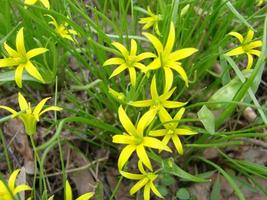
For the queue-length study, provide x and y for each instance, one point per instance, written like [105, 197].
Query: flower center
[138, 140]
[23, 59]
[170, 132]
[131, 60]
[151, 176]
[157, 104]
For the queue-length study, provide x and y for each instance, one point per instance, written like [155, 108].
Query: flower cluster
[138, 138]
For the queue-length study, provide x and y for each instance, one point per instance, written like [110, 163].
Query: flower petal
[121, 48]
[12, 180]
[166, 139]
[142, 155]
[145, 55]
[132, 73]
[51, 108]
[157, 133]
[155, 143]
[141, 167]
[20, 42]
[255, 52]
[139, 185]
[35, 52]
[168, 79]
[114, 61]
[250, 61]
[155, 190]
[178, 116]
[144, 103]
[68, 191]
[182, 53]
[126, 122]
[118, 70]
[165, 117]
[236, 51]
[145, 120]
[155, 42]
[86, 196]
[249, 36]
[173, 104]
[140, 66]
[166, 95]
[30, 2]
[170, 40]
[133, 50]
[18, 75]
[14, 113]
[123, 139]
[153, 88]
[178, 145]
[155, 64]
[254, 44]
[23, 104]
[39, 107]
[21, 188]
[131, 175]
[184, 131]
[237, 35]
[11, 52]
[8, 62]
[53, 22]
[32, 70]
[125, 155]
[178, 68]
[147, 192]
[45, 3]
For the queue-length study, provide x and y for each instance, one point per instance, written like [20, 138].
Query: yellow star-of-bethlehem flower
[171, 130]
[135, 140]
[68, 193]
[32, 2]
[152, 20]
[30, 116]
[12, 190]
[128, 60]
[62, 29]
[158, 103]
[247, 46]
[167, 59]
[145, 179]
[21, 59]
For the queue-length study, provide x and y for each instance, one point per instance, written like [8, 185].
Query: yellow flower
[12, 190]
[62, 29]
[21, 59]
[135, 140]
[171, 131]
[247, 46]
[128, 60]
[152, 20]
[117, 95]
[167, 59]
[145, 179]
[32, 2]
[260, 3]
[158, 103]
[68, 193]
[30, 116]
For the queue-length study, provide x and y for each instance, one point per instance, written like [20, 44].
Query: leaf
[207, 119]
[215, 193]
[182, 194]
[9, 76]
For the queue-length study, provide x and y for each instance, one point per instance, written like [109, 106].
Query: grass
[77, 81]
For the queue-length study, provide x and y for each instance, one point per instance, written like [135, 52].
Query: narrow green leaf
[216, 189]
[207, 119]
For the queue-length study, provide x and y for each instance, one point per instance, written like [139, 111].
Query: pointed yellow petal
[126, 122]
[86, 196]
[132, 73]
[179, 115]
[68, 191]
[144, 103]
[237, 35]
[170, 40]
[249, 36]
[139, 185]
[8, 62]
[168, 79]
[114, 61]
[141, 167]
[155, 64]
[21, 188]
[51, 198]
[20, 42]
[30, 2]
[14, 113]
[166, 139]
[39, 107]
[173, 104]
[153, 88]
[155, 42]
[184, 131]
[250, 61]
[23, 104]
[10, 51]
[178, 68]
[121, 48]
[236, 51]
[167, 95]
[254, 44]
[125, 155]
[155, 190]
[32, 70]
[35, 52]
[12, 180]
[145, 120]
[123, 139]
[157, 133]
[145, 55]
[53, 22]
[118, 70]
[155, 143]
[147, 192]
[142, 155]
[178, 145]
[165, 117]
[182, 53]
[140, 66]
[51, 108]
[255, 52]
[131, 176]
[133, 47]
[46, 3]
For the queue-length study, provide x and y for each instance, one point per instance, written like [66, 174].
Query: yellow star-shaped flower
[32, 2]
[22, 59]
[135, 140]
[167, 59]
[247, 46]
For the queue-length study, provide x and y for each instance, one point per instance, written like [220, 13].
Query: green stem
[5, 151]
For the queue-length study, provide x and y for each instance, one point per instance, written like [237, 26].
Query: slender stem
[5, 151]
